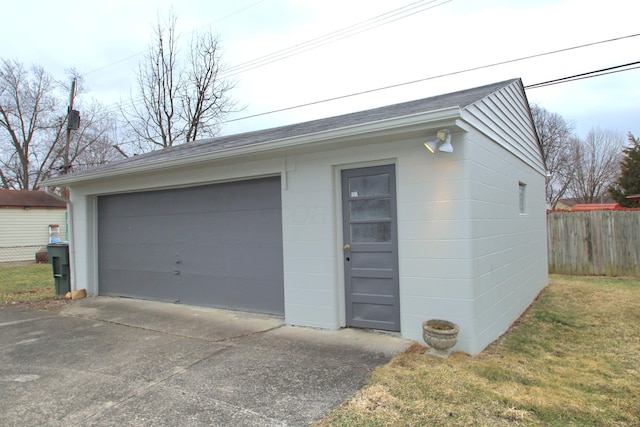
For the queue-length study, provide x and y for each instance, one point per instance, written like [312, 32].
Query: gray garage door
[216, 245]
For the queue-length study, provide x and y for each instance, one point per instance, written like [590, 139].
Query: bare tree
[178, 101]
[30, 127]
[555, 135]
[205, 97]
[152, 118]
[597, 164]
[33, 123]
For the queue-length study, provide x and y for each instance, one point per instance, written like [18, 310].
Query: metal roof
[460, 99]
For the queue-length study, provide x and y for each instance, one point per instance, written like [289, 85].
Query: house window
[522, 192]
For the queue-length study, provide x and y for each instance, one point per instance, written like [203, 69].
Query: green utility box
[59, 260]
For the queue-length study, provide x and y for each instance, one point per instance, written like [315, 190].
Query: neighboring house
[569, 203]
[28, 221]
[564, 205]
[583, 207]
[347, 221]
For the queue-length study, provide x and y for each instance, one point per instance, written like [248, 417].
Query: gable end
[504, 116]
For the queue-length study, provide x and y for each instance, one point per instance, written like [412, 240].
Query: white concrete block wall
[312, 232]
[509, 248]
[435, 255]
[309, 232]
[435, 267]
[82, 247]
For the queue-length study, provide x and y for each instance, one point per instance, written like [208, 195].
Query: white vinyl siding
[505, 118]
[28, 228]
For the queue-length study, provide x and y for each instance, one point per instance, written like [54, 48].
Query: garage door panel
[150, 257]
[217, 245]
[138, 284]
[141, 229]
[242, 225]
[238, 294]
[237, 197]
[228, 260]
[239, 226]
[248, 293]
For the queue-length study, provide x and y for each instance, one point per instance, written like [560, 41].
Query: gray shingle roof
[459, 99]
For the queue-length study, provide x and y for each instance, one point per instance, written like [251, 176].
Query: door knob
[347, 247]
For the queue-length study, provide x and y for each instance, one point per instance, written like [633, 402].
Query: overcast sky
[365, 48]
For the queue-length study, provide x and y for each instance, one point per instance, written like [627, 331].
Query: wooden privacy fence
[604, 243]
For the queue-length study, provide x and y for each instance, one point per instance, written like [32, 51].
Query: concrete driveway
[110, 361]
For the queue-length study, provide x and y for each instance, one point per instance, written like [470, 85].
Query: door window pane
[370, 209]
[371, 185]
[376, 232]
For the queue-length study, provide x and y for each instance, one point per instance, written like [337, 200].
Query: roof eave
[390, 126]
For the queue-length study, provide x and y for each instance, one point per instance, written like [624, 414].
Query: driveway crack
[176, 334]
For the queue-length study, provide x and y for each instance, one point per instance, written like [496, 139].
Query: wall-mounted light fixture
[443, 139]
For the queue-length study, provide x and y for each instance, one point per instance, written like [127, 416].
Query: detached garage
[378, 219]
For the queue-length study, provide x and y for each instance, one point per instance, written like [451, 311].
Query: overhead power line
[331, 37]
[467, 70]
[349, 31]
[587, 75]
[590, 74]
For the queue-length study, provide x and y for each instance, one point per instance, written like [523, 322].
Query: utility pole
[73, 123]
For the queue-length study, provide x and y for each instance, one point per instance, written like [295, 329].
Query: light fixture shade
[432, 145]
[447, 147]
[442, 139]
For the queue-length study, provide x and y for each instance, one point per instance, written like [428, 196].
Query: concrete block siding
[509, 247]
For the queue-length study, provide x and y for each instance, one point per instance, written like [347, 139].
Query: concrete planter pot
[440, 334]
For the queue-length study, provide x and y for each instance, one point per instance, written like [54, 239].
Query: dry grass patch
[572, 359]
[26, 284]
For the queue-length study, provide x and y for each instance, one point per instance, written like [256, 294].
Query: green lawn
[573, 359]
[26, 283]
